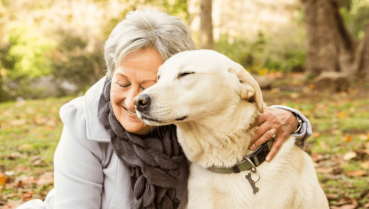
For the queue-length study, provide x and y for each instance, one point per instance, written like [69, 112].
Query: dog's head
[196, 84]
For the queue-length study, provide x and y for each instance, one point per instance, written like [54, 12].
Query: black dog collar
[257, 157]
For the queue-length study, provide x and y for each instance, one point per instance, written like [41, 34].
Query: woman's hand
[273, 123]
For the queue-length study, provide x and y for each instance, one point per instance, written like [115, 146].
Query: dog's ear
[248, 88]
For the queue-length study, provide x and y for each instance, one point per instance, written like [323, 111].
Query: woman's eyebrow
[142, 81]
[149, 80]
[120, 74]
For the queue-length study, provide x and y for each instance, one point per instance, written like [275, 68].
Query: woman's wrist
[299, 123]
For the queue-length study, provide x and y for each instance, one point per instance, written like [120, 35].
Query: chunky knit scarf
[154, 159]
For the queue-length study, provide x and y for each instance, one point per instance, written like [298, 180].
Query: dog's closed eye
[183, 74]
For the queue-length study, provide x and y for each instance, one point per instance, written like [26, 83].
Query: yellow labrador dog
[212, 101]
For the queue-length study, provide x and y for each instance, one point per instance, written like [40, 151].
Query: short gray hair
[146, 28]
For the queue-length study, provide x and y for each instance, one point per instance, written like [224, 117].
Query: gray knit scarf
[154, 159]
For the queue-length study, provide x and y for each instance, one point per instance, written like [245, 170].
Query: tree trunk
[206, 31]
[329, 45]
[364, 64]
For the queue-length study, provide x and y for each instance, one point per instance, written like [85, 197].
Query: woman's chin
[139, 128]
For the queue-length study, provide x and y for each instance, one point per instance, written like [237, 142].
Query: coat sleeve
[305, 132]
[78, 172]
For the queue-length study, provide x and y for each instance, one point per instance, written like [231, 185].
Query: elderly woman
[107, 157]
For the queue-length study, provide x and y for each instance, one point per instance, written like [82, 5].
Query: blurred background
[312, 55]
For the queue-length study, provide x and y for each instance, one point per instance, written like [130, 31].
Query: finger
[266, 137]
[258, 133]
[259, 120]
[275, 148]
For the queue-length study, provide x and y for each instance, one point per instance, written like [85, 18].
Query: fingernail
[253, 146]
[268, 158]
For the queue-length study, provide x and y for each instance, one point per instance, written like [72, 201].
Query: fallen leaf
[341, 114]
[324, 145]
[51, 123]
[335, 132]
[332, 196]
[352, 109]
[12, 156]
[316, 157]
[275, 90]
[39, 120]
[349, 155]
[294, 95]
[9, 173]
[24, 147]
[37, 161]
[344, 201]
[2, 178]
[316, 134]
[21, 168]
[18, 122]
[357, 173]
[23, 180]
[27, 195]
[311, 86]
[348, 138]
[363, 137]
[30, 110]
[365, 165]
[337, 171]
[324, 170]
[350, 206]
[363, 151]
[46, 179]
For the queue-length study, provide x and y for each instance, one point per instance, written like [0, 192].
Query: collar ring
[253, 169]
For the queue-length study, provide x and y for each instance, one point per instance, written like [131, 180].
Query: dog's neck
[221, 140]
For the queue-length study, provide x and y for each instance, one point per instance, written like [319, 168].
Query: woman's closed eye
[181, 75]
[127, 85]
[124, 85]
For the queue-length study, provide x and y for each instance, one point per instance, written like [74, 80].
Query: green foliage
[345, 3]
[26, 55]
[177, 8]
[232, 50]
[23, 58]
[73, 63]
[356, 17]
[264, 54]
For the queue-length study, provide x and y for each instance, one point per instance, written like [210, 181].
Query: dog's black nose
[142, 102]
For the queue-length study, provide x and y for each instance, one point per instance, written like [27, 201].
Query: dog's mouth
[147, 119]
[154, 121]
[144, 117]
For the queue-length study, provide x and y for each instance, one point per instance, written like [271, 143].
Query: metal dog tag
[252, 183]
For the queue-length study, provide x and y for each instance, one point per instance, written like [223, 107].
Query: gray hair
[146, 28]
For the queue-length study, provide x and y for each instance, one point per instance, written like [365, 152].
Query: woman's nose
[133, 92]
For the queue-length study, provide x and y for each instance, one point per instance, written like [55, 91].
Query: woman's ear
[248, 88]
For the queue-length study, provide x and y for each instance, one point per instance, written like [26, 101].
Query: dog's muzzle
[142, 103]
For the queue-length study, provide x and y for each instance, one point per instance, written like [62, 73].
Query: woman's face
[136, 72]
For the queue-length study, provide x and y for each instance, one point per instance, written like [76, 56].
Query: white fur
[216, 98]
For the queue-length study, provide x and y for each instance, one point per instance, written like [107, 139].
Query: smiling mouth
[129, 112]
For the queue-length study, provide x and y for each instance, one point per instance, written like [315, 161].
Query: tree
[206, 31]
[330, 47]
